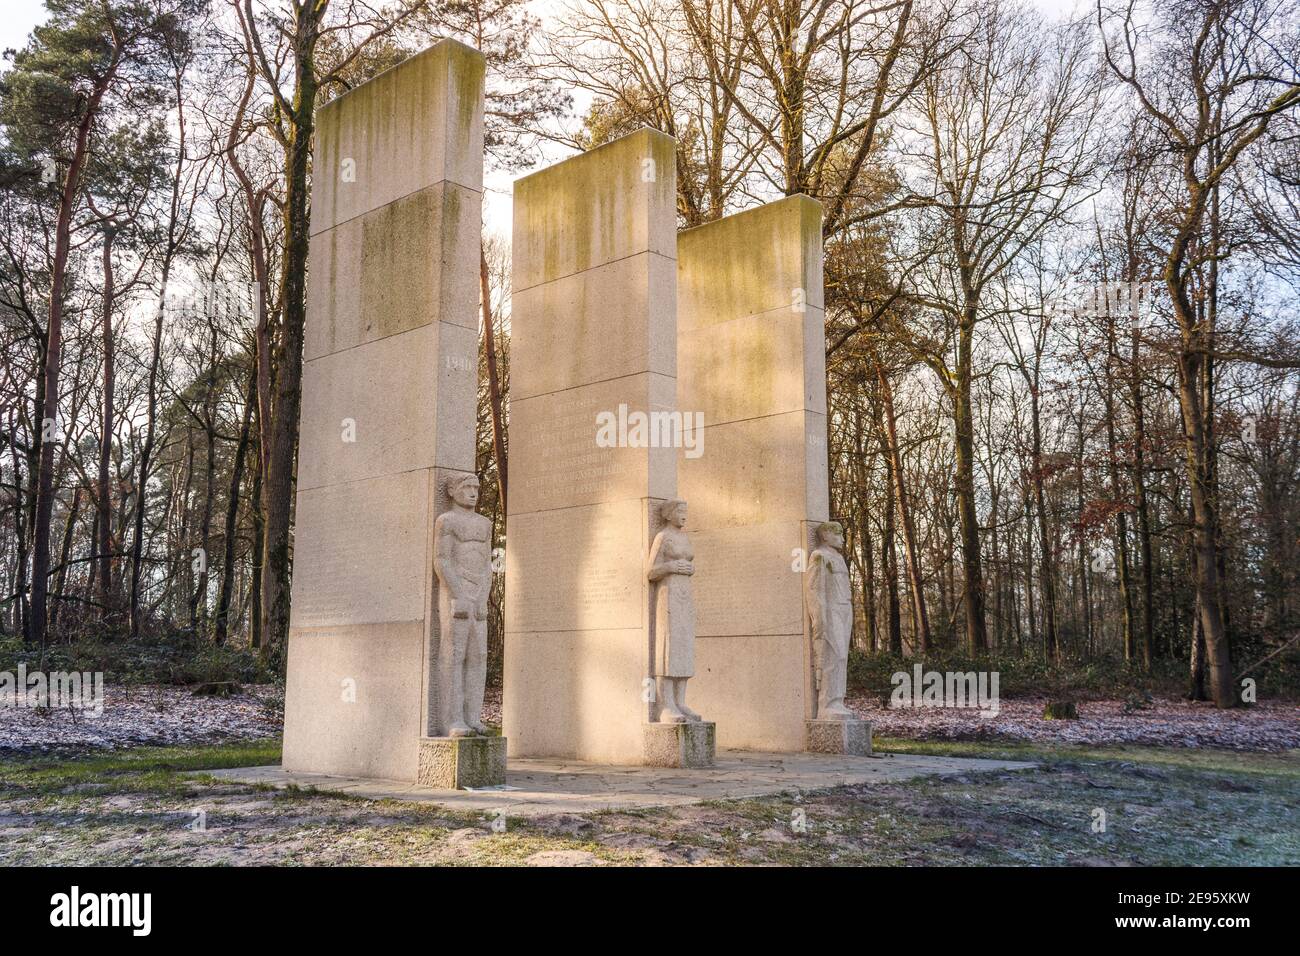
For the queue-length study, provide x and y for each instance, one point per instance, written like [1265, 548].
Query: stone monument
[593, 341]
[828, 597]
[388, 404]
[751, 358]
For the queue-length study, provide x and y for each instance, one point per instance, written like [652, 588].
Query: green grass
[138, 770]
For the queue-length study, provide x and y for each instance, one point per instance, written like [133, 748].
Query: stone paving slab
[537, 787]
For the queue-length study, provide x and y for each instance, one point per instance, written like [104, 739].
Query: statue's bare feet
[671, 715]
[836, 711]
[690, 714]
[479, 729]
[459, 730]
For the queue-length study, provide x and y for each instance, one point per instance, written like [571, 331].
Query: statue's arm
[443, 564]
[815, 585]
[657, 570]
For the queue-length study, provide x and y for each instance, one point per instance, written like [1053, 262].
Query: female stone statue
[670, 572]
[830, 612]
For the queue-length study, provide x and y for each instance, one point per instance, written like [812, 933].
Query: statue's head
[673, 512]
[463, 489]
[831, 534]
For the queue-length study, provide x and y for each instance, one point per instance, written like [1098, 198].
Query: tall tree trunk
[104, 502]
[1129, 639]
[920, 618]
[1085, 583]
[255, 586]
[1196, 655]
[53, 355]
[146, 456]
[1046, 550]
[281, 456]
[21, 604]
[494, 381]
[973, 573]
[889, 564]
[1031, 610]
[1146, 580]
[222, 623]
[65, 553]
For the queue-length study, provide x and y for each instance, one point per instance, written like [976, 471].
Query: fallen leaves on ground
[1268, 727]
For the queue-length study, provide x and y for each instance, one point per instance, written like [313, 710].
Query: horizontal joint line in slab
[599, 265]
[386, 474]
[747, 634]
[593, 504]
[393, 335]
[602, 381]
[574, 630]
[759, 418]
[440, 182]
[775, 310]
[302, 628]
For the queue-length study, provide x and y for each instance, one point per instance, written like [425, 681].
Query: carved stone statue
[462, 559]
[830, 610]
[670, 570]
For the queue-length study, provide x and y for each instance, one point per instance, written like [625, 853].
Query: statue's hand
[460, 609]
[683, 567]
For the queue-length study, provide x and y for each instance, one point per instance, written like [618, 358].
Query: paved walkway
[538, 787]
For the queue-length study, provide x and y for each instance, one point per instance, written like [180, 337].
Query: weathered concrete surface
[593, 327]
[691, 744]
[462, 763]
[751, 356]
[839, 737]
[536, 787]
[389, 397]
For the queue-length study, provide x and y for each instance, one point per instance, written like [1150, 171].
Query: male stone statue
[830, 610]
[462, 560]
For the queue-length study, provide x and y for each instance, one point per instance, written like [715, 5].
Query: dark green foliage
[178, 659]
[1105, 678]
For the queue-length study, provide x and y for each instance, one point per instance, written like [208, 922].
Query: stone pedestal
[457, 763]
[852, 737]
[680, 745]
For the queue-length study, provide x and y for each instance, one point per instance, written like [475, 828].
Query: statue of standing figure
[462, 559]
[830, 610]
[670, 569]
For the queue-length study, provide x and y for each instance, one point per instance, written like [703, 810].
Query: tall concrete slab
[389, 386]
[593, 328]
[751, 356]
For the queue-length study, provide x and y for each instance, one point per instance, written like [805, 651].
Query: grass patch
[140, 769]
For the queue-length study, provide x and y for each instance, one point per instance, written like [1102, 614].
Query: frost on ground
[173, 715]
[136, 715]
[1268, 727]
